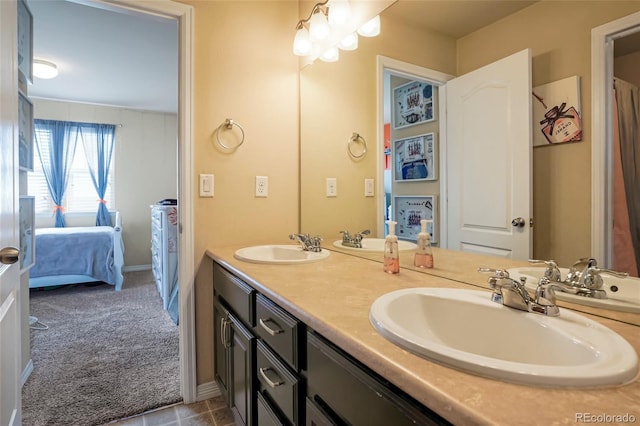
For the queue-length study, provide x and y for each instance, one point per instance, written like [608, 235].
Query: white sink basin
[466, 330]
[376, 245]
[279, 254]
[623, 294]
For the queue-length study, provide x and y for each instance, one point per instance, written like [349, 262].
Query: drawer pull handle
[272, 383]
[271, 331]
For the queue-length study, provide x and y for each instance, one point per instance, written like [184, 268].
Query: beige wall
[559, 34]
[337, 99]
[145, 168]
[243, 70]
[626, 67]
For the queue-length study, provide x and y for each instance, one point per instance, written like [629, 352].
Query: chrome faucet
[552, 272]
[354, 240]
[514, 294]
[584, 275]
[307, 242]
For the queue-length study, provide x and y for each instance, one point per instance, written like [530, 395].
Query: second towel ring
[228, 124]
[354, 139]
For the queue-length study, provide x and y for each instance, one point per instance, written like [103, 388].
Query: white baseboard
[27, 372]
[135, 268]
[207, 391]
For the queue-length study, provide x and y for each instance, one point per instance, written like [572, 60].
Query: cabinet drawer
[277, 382]
[316, 417]
[278, 329]
[236, 294]
[356, 396]
[266, 414]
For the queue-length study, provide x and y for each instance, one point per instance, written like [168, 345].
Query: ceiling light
[349, 42]
[44, 69]
[302, 42]
[370, 28]
[330, 55]
[339, 12]
[331, 25]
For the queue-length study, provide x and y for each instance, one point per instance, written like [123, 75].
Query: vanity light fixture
[331, 26]
[44, 69]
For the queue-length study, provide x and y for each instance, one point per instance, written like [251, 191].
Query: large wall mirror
[341, 98]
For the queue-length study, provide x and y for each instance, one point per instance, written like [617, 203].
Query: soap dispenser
[391, 257]
[424, 255]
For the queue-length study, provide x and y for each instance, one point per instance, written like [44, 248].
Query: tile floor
[212, 412]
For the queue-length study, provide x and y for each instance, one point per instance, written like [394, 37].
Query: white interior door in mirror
[489, 159]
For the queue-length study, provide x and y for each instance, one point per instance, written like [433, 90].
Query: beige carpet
[106, 355]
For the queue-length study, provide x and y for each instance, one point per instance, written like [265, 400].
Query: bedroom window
[80, 196]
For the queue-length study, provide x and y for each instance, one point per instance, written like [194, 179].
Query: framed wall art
[25, 133]
[25, 43]
[408, 211]
[557, 113]
[27, 218]
[412, 104]
[415, 158]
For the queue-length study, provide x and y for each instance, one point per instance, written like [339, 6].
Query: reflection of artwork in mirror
[415, 158]
[25, 43]
[408, 211]
[556, 108]
[25, 133]
[27, 232]
[412, 104]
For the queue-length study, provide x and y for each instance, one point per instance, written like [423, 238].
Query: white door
[489, 159]
[10, 329]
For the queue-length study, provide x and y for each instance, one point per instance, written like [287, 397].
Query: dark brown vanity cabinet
[273, 370]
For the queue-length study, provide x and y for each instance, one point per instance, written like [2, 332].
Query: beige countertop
[333, 297]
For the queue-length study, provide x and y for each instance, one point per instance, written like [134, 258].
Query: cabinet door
[221, 338]
[242, 358]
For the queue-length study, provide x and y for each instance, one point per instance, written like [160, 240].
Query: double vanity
[335, 339]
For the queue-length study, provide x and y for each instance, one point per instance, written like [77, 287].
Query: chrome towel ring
[228, 125]
[356, 138]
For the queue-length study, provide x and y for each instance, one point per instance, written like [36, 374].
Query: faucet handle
[610, 272]
[365, 232]
[499, 273]
[552, 272]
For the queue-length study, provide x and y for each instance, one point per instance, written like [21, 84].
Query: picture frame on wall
[409, 210]
[415, 158]
[412, 104]
[25, 43]
[25, 133]
[27, 217]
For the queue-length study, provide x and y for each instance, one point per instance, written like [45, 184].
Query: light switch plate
[369, 190]
[332, 187]
[206, 185]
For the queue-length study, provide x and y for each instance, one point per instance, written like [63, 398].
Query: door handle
[9, 255]
[518, 222]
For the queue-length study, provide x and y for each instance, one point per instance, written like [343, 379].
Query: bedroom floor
[212, 412]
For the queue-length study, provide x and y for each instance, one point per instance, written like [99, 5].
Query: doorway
[603, 39]
[183, 15]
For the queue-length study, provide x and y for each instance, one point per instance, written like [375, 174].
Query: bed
[74, 255]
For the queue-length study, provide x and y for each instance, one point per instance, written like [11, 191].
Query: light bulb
[349, 42]
[339, 12]
[44, 69]
[330, 55]
[302, 42]
[318, 26]
[370, 28]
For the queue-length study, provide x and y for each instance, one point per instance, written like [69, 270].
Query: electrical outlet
[262, 186]
[332, 187]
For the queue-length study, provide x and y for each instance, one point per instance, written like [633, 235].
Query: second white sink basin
[279, 254]
[623, 294]
[466, 330]
[376, 245]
